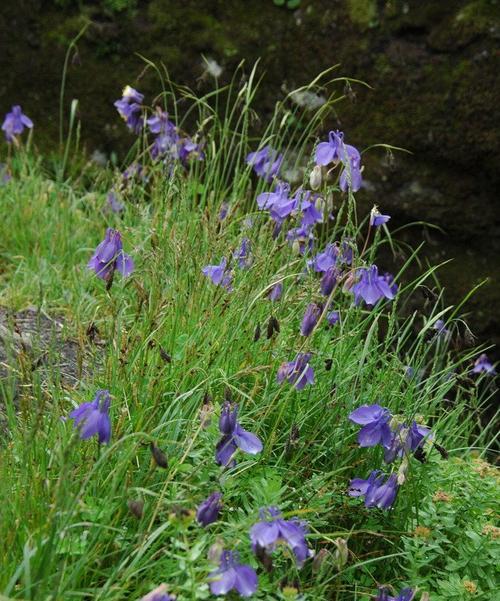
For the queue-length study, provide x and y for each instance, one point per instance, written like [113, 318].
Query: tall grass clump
[231, 283]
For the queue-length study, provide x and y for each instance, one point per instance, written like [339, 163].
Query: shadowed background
[433, 68]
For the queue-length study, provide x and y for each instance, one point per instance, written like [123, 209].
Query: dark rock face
[433, 67]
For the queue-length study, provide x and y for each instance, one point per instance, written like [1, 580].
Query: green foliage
[111, 6]
[455, 550]
[291, 4]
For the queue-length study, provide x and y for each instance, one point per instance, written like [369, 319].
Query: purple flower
[15, 122]
[297, 372]
[328, 281]
[483, 365]
[350, 177]
[265, 162]
[377, 219]
[134, 170]
[159, 594]
[218, 274]
[232, 575]
[129, 107]
[208, 511]
[377, 493]
[333, 318]
[93, 418]
[159, 123]
[440, 328]
[189, 149]
[371, 287]
[310, 319]
[406, 594]
[109, 256]
[331, 151]
[375, 421]
[5, 176]
[405, 440]
[278, 203]
[310, 213]
[389, 278]
[224, 208]
[269, 533]
[301, 237]
[276, 292]
[325, 260]
[114, 204]
[234, 437]
[242, 255]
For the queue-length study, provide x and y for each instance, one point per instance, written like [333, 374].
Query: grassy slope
[66, 530]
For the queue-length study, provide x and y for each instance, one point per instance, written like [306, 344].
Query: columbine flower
[297, 372]
[114, 204]
[109, 256]
[377, 493]
[265, 162]
[406, 440]
[375, 421]
[377, 219]
[328, 281]
[219, 275]
[188, 149]
[406, 594]
[301, 239]
[232, 575]
[371, 287]
[333, 318]
[159, 594]
[440, 328]
[15, 122]
[276, 292]
[483, 365]
[274, 530]
[208, 511]
[159, 123]
[310, 213]
[310, 319]
[325, 260]
[350, 177]
[278, 203]
[93, 418]
[234, 437]
[330, 152]
[242, 255]
[129, 107]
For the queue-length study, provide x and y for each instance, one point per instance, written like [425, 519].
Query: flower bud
[341, 553]
[316, 178]
[159, 456]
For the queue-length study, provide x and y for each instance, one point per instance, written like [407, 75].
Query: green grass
[66, 531]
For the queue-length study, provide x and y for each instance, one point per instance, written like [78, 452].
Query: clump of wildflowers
[234, 437]
[109, 257]
[297, 372]
[92, 419]
[273, 530]
[15, 122]
[233, 575]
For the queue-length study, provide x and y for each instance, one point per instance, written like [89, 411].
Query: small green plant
[291, 4]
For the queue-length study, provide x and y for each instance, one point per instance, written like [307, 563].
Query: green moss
[363, 12]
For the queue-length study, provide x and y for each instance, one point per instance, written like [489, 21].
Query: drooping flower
[278, 202]
[350, 176]
[328, 281]
[301, 238]
[307, 203]
[114, 204]
[189, 149]
[377, 491]
[310, 319]
[330, 152]
[440, 328]
[208, 511]
[265, 162]
[276, 292]
[232, 575]
[93, 418]
[15, 122]
[159, 123]
[326, 259]
[234, 437]
[377, 219]
[483, 365]
[297, 372]
[129, 107]
[109, 257]
[406, 594]
[273, 530]
[406, 440]
[333, 317]
[242, 254]
[375, 421]
[371, 287]
[219, 275]
[159, 594]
